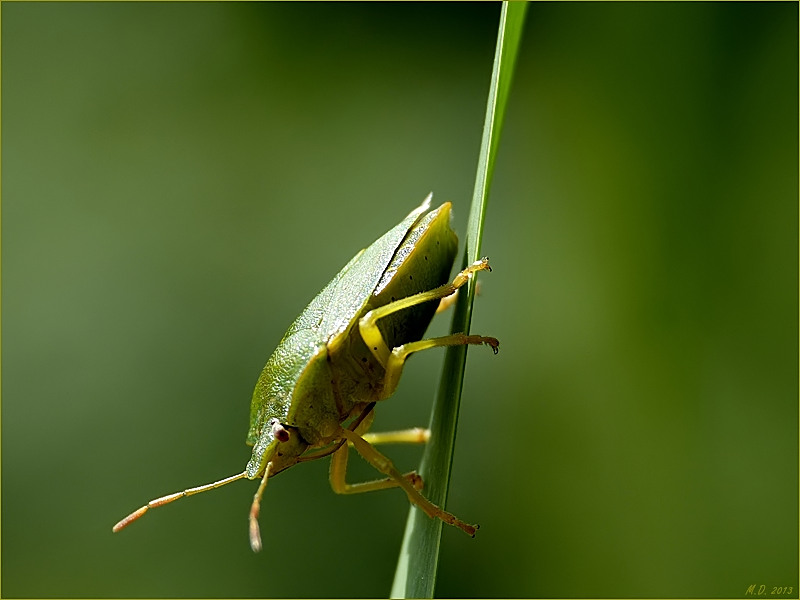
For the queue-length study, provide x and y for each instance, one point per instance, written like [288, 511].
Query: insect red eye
[279, 431]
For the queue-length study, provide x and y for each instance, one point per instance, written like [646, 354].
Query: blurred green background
[180, 179]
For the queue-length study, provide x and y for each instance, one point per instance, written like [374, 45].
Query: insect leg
[384, 465]
[415, 435]
[338, 474]
[361, 425]
[368, 323]
[394, 365]
[449, 301]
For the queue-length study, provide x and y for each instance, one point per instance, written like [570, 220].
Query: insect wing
[322, 323]
[332, 312]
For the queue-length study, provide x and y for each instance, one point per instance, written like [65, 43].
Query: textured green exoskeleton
[344, 353]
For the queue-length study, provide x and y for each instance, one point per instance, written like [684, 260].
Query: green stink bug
[345, 352]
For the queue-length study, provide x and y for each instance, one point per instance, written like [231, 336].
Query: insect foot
[493, 343]
[463, 276]
[415, 480]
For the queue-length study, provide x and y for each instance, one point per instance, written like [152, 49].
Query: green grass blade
[415, 576]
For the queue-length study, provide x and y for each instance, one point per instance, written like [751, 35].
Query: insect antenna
[255, 508]
[172, 497]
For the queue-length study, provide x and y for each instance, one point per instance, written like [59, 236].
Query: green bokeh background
[180, 179]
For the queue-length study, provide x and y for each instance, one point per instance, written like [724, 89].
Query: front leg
[395, 479]
[338, 476]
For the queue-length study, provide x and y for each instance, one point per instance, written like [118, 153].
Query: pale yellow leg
[447, 302]
[385, 466]
[415, 435]
[339, 484]
[394, 365]
[368, 323]
[338, 471]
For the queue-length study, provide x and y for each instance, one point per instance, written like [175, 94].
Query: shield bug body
[342, 355]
